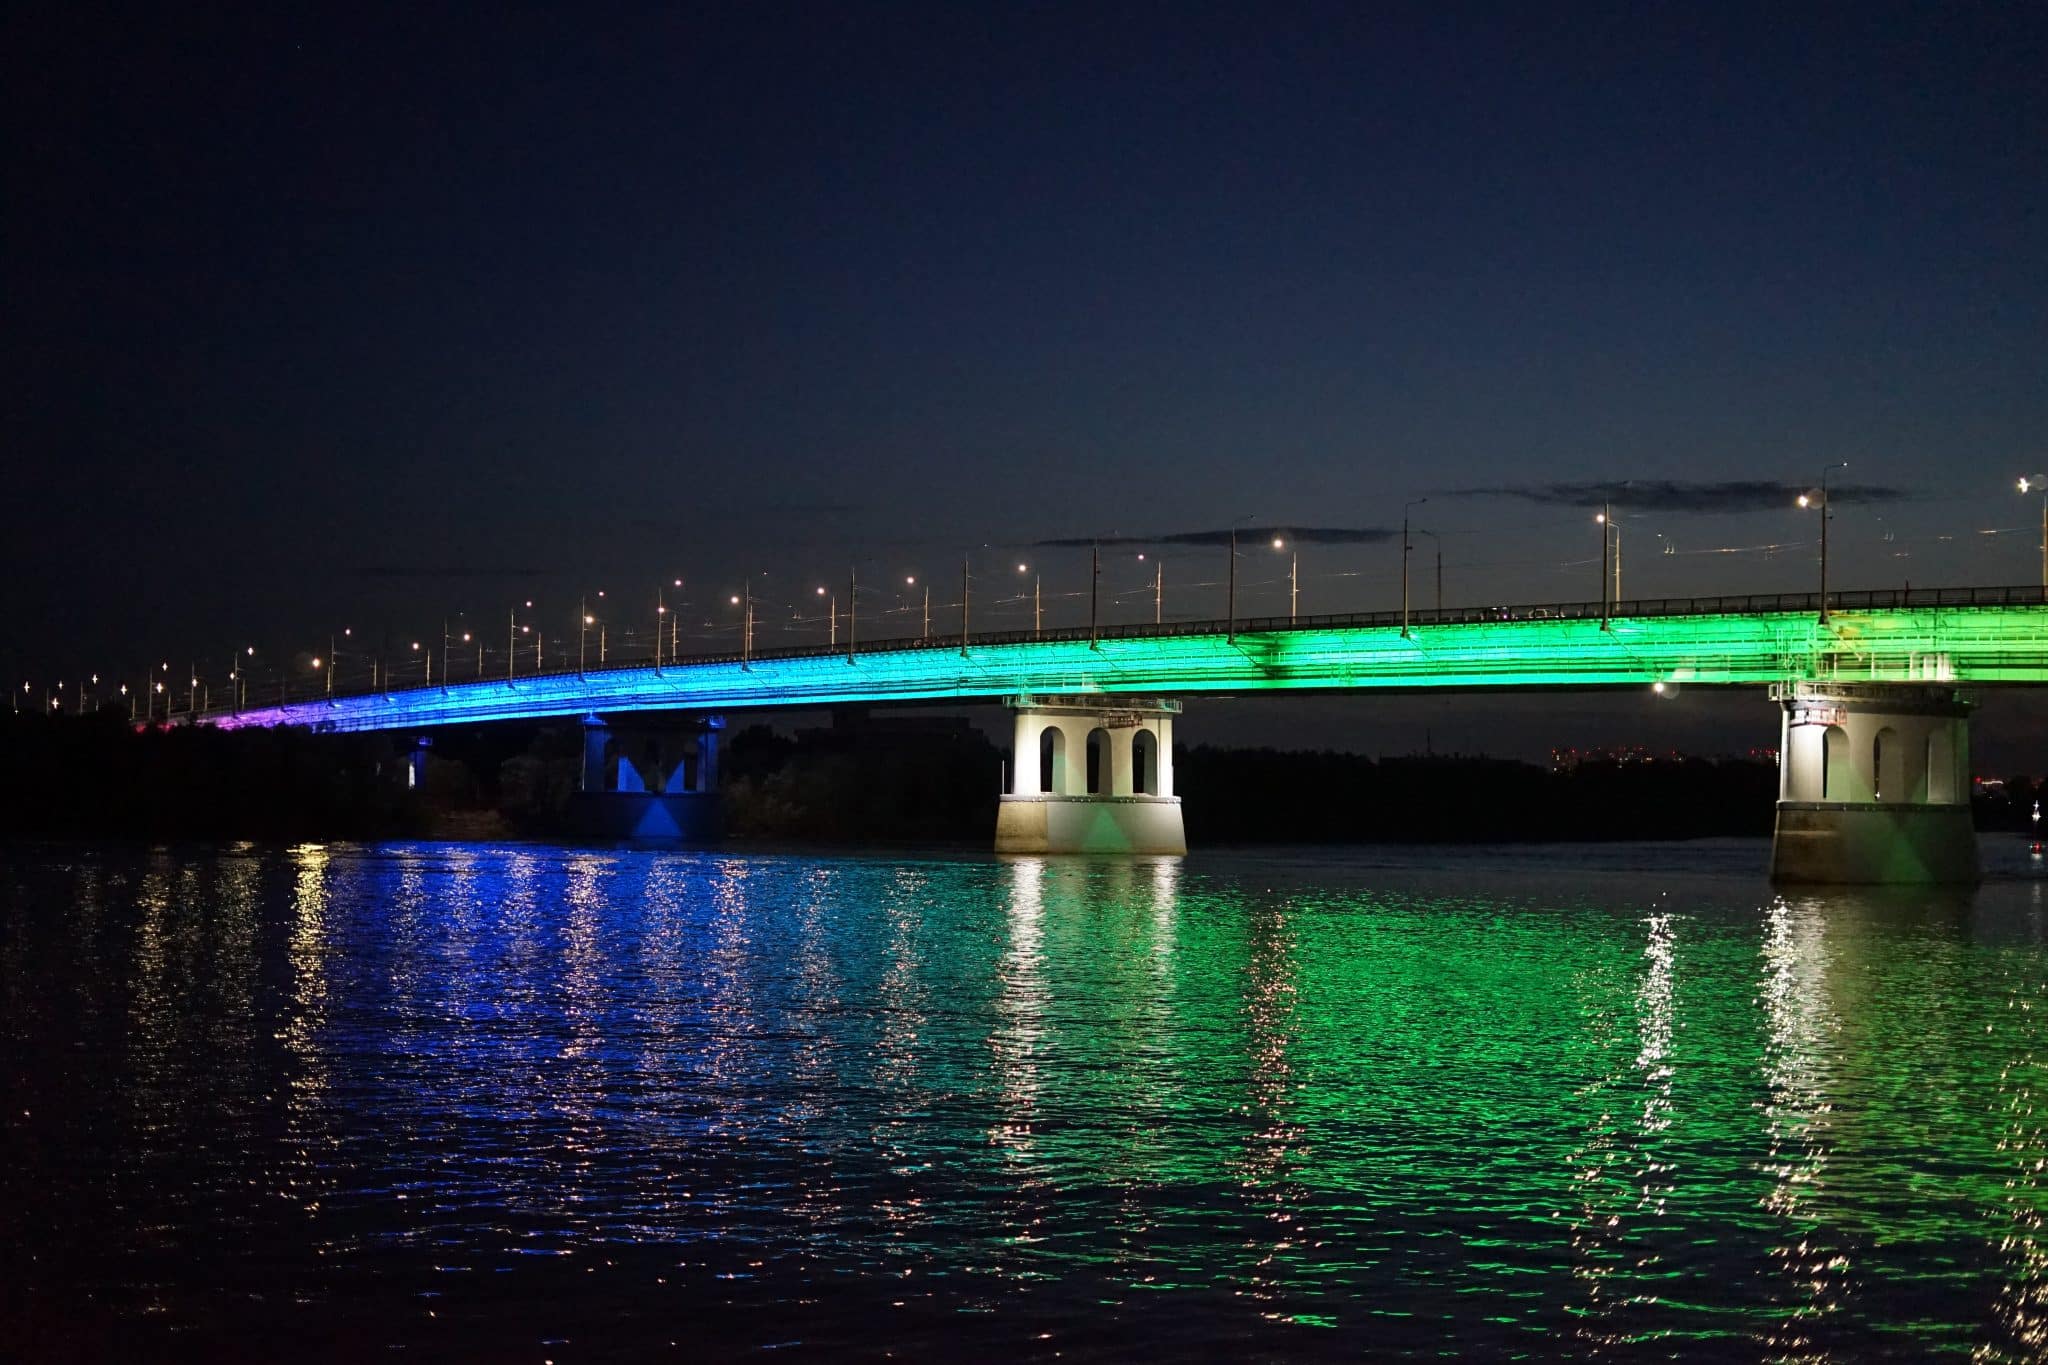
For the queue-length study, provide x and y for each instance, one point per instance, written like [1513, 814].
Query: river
[531, 1103]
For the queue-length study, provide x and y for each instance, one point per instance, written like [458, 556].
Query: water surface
[532, 1103]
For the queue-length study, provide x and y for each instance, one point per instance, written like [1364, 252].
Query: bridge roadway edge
[1966, 645]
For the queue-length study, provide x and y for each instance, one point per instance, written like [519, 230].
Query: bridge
[1874, 731]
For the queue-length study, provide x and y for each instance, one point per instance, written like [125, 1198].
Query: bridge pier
[1873, 784]
[650, 779]
[1091, 774]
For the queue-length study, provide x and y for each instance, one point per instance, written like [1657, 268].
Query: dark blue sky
[318, 317]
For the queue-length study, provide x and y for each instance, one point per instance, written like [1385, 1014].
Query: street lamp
[831, 616]
[1293, 578]
[1036, 619]
[2038, 483]
[744, 599]
[1819, 498]
[1605, 520]
[1406, 546]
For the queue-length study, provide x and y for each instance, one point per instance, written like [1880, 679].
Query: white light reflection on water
[2022, 1240]
[1275, 1144]
[1799, 1050]
[1622, 1172]
[1020, 1004]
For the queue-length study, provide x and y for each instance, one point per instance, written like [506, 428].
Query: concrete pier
[650, 779]
[1091, 774]
[1873, 784]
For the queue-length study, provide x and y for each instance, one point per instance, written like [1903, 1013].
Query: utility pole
[1094, 595]
[1605, 536]
[965, 587]
[1158, 591]
[852, 607]
[1230, 593]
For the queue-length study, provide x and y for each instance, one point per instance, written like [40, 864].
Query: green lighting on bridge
[1959, 644]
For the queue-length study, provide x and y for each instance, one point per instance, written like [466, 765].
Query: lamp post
[744, 599]
[1603, 518]
[2038, 483]
[1406, 546]
[1036, 620]
[1293, 579]
[1158, 589]
[1827, 514]
[831, 616]
[584, 621]
[852, 607]
[966, 591]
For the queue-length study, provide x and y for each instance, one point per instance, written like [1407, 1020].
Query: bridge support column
[1091, 774]
[650, 778]
[1873, 784]
[416, 763]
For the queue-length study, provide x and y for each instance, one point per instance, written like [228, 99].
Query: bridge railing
[1744, 604]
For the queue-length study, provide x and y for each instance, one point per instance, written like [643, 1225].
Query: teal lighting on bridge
[1963, 644]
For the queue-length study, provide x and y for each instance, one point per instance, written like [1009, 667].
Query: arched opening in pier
[1837, 769]
[1887, 766]
[1098, 761]
[1941, 766]
[1144, 762]
[1052, 759]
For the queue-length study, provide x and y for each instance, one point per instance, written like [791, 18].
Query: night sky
[334, 317]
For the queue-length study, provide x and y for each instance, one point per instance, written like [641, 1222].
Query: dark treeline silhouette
[1284, 796]
[889, 779]
[97, 776]
[885, 779]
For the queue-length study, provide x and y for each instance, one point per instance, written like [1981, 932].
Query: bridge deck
[1971, 635]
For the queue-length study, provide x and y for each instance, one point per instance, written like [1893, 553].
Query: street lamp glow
[1806, 499]
[910, 580]
[316, 661]
[1279, 544]
[2038, 483]
[735, 599]
[821, 592]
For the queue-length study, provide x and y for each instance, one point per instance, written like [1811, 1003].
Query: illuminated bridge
[1874, 724]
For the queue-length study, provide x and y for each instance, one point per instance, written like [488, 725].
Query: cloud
[410, 571]
[1313, 535]
[1670, 495]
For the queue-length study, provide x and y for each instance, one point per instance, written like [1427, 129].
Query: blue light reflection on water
[461, 1097]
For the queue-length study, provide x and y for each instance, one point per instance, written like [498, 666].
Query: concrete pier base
[1091, 774]
[1873, 785]
[1090, 824]
[658, 817]
[1873, 844]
